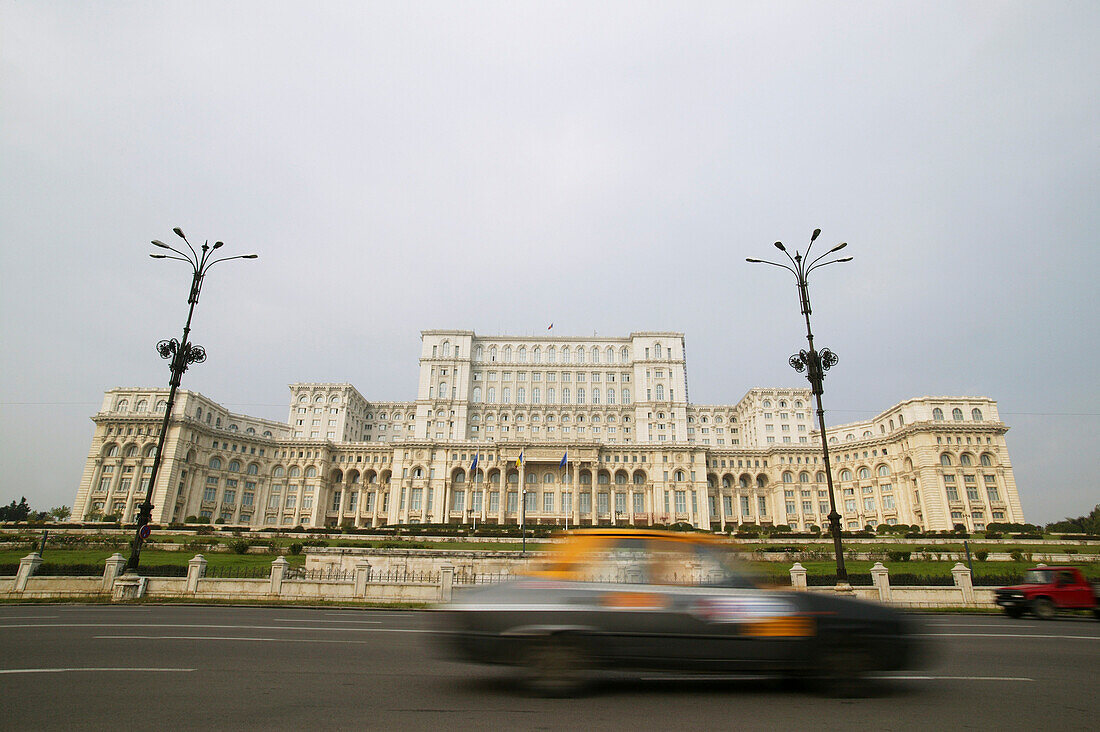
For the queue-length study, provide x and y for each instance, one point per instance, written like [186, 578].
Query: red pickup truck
[1046, 590]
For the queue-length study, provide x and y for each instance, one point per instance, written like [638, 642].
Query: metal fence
[401, 575]
[238, 572]
[332, 574]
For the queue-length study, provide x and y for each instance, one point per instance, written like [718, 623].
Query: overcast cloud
[607, 167]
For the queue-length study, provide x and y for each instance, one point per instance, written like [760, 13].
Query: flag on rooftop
[551, 327]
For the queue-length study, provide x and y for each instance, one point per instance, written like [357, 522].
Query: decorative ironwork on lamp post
[815, 363]
[182, 354]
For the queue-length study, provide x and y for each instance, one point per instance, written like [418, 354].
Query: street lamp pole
[182, 353]
[815, 363]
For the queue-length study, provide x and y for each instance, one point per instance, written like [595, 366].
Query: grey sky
[607, 167]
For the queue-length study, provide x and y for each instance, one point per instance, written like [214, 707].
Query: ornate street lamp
[815, 363]
[182, 353]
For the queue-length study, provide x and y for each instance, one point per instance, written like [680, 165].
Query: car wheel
[1043, 608]
[842, 671]
[555, 667]
[1014, 612]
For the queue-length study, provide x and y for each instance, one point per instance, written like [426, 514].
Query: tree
[15, 512]
[1088, 524]
[60, 513]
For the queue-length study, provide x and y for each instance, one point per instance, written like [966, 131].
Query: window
[957, 414]
[937, 414]
[945, 459]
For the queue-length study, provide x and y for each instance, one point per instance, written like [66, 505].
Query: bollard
[962, 580]
[880, 577]
[278, 571]
[798, 576]
[28, 565]
[446, 582]
[362, 575]
[196, 568]
[112, 569]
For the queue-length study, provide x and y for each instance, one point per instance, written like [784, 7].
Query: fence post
[28, 565]
[196, 568]
[446, 582]
[362, 574]
[278, 571]
[963, 582]
[798, 576]
[112, 569]
[880, 577]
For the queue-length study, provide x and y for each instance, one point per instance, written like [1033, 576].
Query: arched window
[521, 354]
[493, 353]
[845, 474]
[660, 392]
[565, 396]
[743, 481]
[565, 354]
[477, 394]
[798, 404]
[112, 451]
[957, 414]
[303, 398]
[267, 433]
[580, 396]
[446, 349]
[610, 396]
[550, 395]
[234, 466]
[507, 354]
[595, 355]
[253, 469]
[250, 430]
[548, 478]
[551, 354]
[679, 475]
[295, 471]
[788, 477]
[278, 472]
[479, 354]
[883, 471]
[215, 463]
[820, 477]
[595, 395]
[130, 451]
[937, 414]
[232, 428]
[945, 459]
[521, 395]
[964, 459]
[609, 355]
[536, 355]
[782, 403]
[803, 477]
[987, 460]
[443, 390]
[578, 355]
[123, 405]
[767, 403]
[334, 399]
[657, 350]
[492, 395]
[506, 395]
[626, 396]
[864, 473]
[976, 415]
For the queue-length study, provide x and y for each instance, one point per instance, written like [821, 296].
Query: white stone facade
[637, 451]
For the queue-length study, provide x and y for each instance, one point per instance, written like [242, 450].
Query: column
[344, 491]
[575, 490]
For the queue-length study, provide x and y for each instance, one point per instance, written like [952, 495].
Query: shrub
[993, 535]
[295, 548]
[239, 547]
[982, 555]
[898, 556]
[1017, 555]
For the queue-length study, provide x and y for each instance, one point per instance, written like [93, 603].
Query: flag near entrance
[473, 465]
[519, 461]
[563, 460]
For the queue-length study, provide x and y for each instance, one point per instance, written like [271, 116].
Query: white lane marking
[185, 625]
[97, 670]
[28, 617]
[979, 625]
[1008, 635]
[954, 678]
[239, 638]
[316, 620]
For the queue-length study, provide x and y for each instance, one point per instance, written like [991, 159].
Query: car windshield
[650, 560]
[1038, 577]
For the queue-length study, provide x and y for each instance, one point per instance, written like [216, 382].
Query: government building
[564, 431]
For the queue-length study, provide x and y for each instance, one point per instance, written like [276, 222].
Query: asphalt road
[188, 667]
